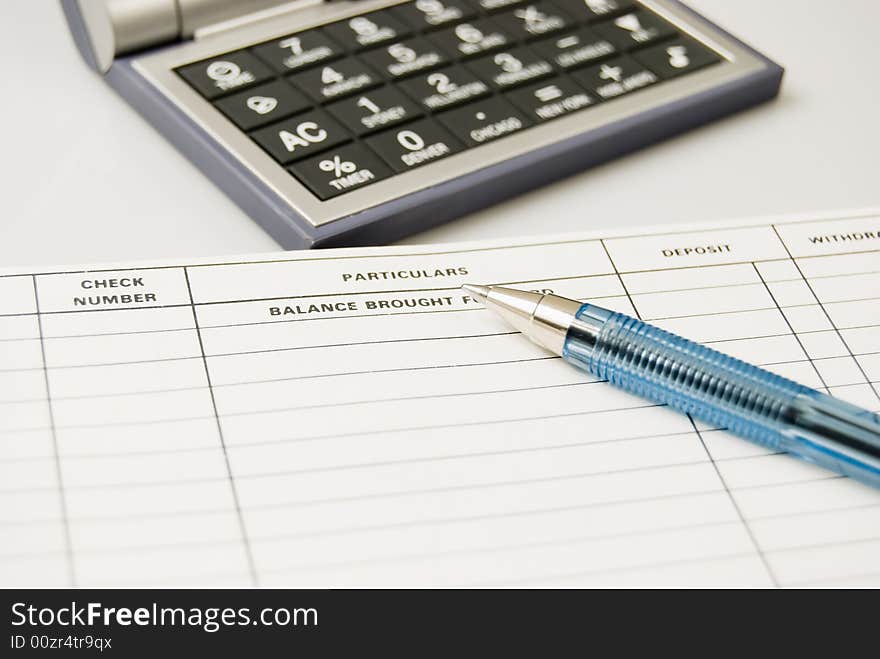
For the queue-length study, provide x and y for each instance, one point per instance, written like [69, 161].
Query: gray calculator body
[150, 51]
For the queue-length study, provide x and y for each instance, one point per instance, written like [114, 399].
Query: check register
[358, 122]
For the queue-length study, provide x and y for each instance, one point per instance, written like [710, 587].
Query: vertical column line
[739, 512]
[828, 316]
[65, 517]
[721, 479]
[252, 567]
[790, 328]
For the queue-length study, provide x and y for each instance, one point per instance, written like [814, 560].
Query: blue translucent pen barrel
[725, 392]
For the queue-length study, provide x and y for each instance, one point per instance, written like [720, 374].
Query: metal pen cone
[542, 318]
[480, 292]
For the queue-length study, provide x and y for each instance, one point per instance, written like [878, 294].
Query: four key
[336, 79]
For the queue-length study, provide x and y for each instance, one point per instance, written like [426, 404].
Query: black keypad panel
[360, 100]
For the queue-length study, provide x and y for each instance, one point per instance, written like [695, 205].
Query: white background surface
[84, 178]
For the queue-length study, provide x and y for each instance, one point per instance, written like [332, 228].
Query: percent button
[340, 170]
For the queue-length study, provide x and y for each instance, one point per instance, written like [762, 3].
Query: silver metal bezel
[158, 69]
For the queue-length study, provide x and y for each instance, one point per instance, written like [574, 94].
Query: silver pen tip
[480, 292]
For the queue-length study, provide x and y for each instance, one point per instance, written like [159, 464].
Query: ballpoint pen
[708, 385]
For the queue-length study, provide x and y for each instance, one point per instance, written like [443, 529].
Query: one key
[550, 99]
[474, 38]
[533, 20]
[300, 136]
[615, 77]
[299, 51]
[637, 28]
[511, 67]
[368, 30]
[425, 14]
[340, 170]
[575, 48]
[676, 57]
[593, 10]
[374, 110]
[484, 121]
[262, 105]
[405, 57]
[414, 145]
[336, 79]
[445, 88]
[225, 74]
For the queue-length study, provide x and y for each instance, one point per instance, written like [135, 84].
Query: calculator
[344, 123]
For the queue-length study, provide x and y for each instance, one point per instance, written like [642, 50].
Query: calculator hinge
[104, 29]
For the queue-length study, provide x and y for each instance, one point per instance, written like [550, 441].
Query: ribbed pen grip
[691, 378]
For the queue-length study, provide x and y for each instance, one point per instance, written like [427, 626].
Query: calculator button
[336, 79]
[414, 145]
[616, 77]
[484, 121]
[405, 57]
[367, 30]
[374, 110]
[592, 10]
[511, 67]
[445, 88]
[533, 20]
[474, 38]
[224, 74]
[495, 5]
[676, 57]
[340, 170]
[262, 105]
[550, 99]
[574, 49]
[425, 14]
[298, 51]
[636, 28]
[300, 136]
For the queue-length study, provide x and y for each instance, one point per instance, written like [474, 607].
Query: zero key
[413, 145]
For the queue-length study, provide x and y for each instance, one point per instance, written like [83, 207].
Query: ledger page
[353, 418]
